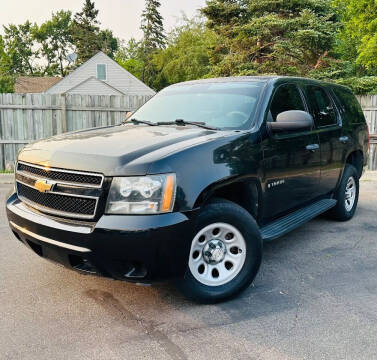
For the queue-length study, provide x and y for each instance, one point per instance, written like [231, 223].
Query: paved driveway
[314, 298]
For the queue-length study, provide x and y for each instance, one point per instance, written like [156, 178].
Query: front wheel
[225, 254]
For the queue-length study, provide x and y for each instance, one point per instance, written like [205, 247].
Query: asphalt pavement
[314, 298]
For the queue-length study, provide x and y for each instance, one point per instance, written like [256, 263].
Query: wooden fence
[369, 106]
[28, 117]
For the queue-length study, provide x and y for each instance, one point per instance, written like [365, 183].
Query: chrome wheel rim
[217, 255]
[350, 193]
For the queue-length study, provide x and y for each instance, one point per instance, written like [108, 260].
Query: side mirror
[129, 114]
[292, 120]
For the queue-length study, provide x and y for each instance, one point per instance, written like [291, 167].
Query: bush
[6, 84]
[360, 85]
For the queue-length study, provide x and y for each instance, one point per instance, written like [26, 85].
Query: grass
[6, 172]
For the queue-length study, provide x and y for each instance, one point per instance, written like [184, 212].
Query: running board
[289, 222]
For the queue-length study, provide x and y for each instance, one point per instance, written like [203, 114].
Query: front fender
[214, 163]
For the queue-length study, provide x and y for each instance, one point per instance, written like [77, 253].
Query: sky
[121, 16]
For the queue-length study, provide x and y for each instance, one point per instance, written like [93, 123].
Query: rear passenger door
[328, 124]
[291, 160]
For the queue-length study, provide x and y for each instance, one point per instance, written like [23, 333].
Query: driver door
[291, 160]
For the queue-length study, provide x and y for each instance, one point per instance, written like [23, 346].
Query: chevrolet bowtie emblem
[43, 186]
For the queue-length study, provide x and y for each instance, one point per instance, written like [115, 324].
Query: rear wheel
[347, 195]
[225, 254]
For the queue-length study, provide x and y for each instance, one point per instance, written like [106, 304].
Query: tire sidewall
[230, 213]
[343, 214]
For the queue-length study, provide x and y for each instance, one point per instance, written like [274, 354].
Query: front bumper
[134, 248]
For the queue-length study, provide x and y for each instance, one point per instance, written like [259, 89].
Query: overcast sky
[121, 16]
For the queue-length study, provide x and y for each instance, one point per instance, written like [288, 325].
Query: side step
[289, 222]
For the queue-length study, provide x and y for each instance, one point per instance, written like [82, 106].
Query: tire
[346, 207]
[241, 251]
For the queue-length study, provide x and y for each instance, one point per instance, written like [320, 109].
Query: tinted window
[321, 106]
[348, 104]
[287, 97]
[225, 105]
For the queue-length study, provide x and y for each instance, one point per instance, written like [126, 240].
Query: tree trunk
[320, 60]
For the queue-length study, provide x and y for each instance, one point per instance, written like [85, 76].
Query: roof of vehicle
[264, 78]
[227, 79]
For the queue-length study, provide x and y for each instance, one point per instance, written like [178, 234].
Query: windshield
[230, 105]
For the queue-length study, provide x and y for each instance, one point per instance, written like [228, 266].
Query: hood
[113, 150]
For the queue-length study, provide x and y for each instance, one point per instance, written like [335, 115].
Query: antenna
[71, 58]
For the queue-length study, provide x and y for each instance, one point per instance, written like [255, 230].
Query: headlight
[152, 194]
[14, 173]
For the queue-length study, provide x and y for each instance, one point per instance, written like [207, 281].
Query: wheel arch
[244, 191]
[356, 158]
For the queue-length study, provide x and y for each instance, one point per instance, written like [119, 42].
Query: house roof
[34, 84]
[123, 81]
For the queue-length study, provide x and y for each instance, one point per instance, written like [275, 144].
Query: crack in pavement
[136, 323]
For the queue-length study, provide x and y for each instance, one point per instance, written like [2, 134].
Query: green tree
[131, 49]
[358, 36]
[224, 14]
[187, 55]
[6, 78]
[270, 36]
[55, 39]
[134, 66]
[107, 42]
[6, 84]
[34, 50]
[154, 38]
[85, 30]
[19, 44]
[353, 58]
[130, 56]
[87, 37]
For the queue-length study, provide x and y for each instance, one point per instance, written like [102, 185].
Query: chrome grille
[62, 176]
[69, 193]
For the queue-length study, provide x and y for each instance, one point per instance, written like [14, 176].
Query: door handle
[312, 147]
[343, 139]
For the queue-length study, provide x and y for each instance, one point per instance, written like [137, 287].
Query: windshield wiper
[136, 122]
[176, 122]
[183, 123]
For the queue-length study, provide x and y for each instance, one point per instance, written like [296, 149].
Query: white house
[100, 75]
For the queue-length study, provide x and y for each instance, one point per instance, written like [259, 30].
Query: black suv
[192, 184]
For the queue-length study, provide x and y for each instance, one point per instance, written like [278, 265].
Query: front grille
[58, 202]
[61, 175]
[65, 193]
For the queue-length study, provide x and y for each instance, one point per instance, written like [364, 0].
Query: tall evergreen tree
[154, 37]
[224, 13]
[85, 32]
[270, 36]
[87, 37]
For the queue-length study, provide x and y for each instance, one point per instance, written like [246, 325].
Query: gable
[117, 77]
[93, 86]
